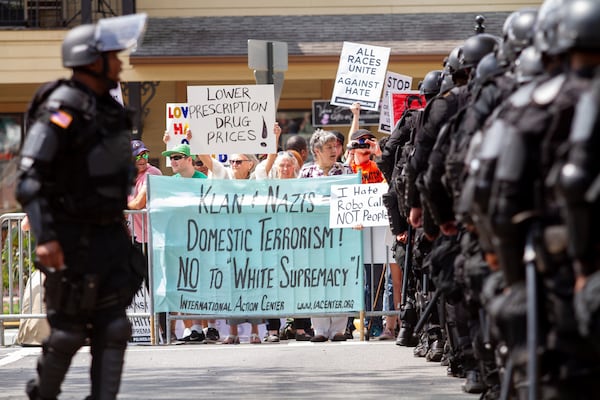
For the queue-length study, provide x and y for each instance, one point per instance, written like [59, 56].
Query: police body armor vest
[95, 163]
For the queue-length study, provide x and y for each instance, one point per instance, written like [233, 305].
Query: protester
[323, 147]
[137, 199]
[281, 165]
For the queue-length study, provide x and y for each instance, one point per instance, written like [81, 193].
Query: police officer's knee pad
[64, 342]
[118, 332]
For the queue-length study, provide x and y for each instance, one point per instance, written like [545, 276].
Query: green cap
[180, 149]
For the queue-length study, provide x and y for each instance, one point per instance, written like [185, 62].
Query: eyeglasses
[237, 162]
[140, 156]
[177, 157]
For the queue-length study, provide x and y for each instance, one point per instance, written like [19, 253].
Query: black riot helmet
[549, 16]
[430, 86]
[518, 33]
[447, 83]
[487, 67]
[579, 27]
[507, 23]
[528, 65]
[475, 47]
[84, 44]
[453, 60]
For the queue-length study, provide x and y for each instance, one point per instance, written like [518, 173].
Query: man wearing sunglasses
[182, 164]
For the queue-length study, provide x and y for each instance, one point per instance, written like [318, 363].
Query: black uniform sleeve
[392, 147]
[427, 135]
[434, 191]
[37, 181]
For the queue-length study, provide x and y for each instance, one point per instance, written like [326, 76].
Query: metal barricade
[142, 305]
[378, 262]
[16, 268]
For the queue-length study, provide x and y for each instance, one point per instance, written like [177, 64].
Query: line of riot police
[495, 183]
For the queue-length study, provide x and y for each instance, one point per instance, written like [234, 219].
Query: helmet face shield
[119, 33]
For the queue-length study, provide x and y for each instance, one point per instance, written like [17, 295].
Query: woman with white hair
[323, 145]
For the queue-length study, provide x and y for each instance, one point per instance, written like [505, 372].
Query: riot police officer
[76, 170]
[579, 188]
[393, 164]
[525, 215]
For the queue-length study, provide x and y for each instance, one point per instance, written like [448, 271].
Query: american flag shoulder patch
[61, 118]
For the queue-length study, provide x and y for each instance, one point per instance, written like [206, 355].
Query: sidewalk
[371, 370]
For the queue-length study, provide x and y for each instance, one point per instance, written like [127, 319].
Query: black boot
[32, 391]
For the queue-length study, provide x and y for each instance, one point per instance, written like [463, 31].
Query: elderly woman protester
[323, 145]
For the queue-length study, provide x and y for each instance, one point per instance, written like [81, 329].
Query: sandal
[231, 339]
[254, 339]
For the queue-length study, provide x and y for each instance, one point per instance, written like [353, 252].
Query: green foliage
[13, 255]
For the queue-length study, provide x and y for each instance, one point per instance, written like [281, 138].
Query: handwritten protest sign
[232, 119]
[359, 204]
[252, 248]
[400, 101]
[397, 83]
[360, 75]
[177, 123]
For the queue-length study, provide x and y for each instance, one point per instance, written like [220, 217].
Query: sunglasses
[237, 162]
[140, 156]
[177, 157]
[198, 163]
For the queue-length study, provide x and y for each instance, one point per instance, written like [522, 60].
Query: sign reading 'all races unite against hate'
[360, 75]
[252, 248]
[232, 119]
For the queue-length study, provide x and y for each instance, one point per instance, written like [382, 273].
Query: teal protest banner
[252, 248]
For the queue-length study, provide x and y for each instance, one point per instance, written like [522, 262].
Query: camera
[358, 144]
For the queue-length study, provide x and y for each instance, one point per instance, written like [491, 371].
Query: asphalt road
[287, 370]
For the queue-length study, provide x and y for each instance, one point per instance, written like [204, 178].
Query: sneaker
[386, 335]
[212, 335]
[375, 331]
[272, 339]
[194, 336]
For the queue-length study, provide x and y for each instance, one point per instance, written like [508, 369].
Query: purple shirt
[140, 220]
